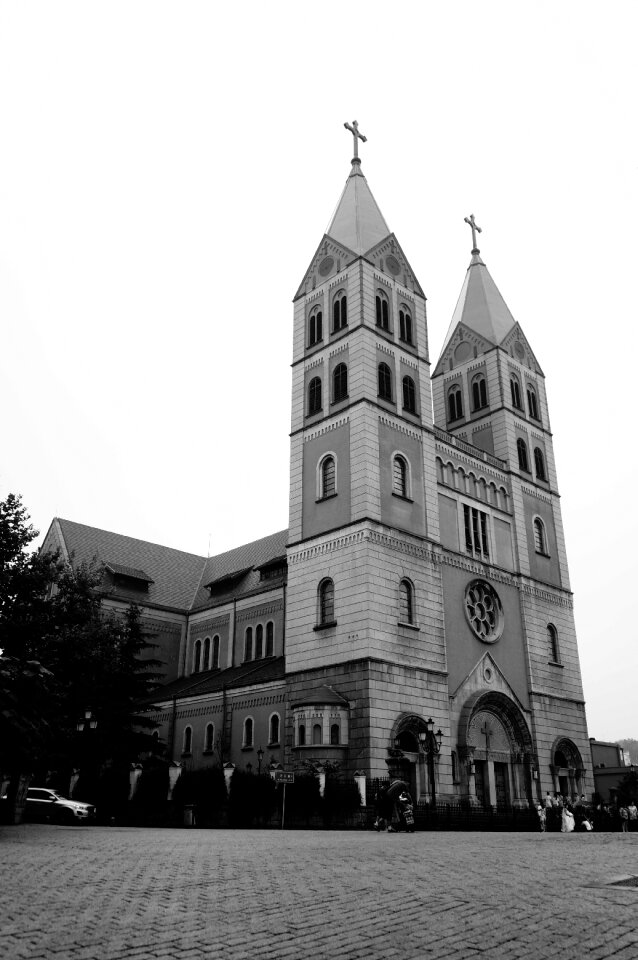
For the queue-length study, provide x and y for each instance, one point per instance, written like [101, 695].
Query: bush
[303, 799]
[252, 799]
[341, 799]
[113, 791]
[206, 791]
[149, 804]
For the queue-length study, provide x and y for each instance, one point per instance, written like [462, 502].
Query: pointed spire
[357, 223]
[480, 306]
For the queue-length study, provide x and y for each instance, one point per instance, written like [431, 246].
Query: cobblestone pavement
[109, 893]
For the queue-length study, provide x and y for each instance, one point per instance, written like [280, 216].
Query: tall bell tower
[363, 592]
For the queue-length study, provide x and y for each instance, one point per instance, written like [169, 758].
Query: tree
[51, 616]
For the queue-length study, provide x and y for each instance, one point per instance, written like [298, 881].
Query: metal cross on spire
[354, 130]
[475, 229]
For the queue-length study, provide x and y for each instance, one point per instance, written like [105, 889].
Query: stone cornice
[326, 428]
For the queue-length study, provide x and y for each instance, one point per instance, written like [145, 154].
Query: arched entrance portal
[495, 752]
[406, 758]
[568, 773]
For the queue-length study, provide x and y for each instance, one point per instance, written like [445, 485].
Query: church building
[416, 617]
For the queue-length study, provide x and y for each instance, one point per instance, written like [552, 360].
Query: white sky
[166, 173]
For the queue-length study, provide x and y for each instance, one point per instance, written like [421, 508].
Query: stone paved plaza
[111, 893]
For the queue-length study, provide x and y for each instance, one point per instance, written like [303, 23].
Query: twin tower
[427, 584]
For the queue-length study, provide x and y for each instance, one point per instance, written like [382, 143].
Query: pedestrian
[406, 812]
[623, 812]
[542, 817]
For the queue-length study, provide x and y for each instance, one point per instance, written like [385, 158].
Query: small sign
[283, 776]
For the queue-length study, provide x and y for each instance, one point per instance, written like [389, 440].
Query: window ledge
[247, 749]
[409, 626]
[334, 403]
[207, 753]
[276, 743]
[187, 753]
[556, 663]
[541, 553]
[325, 626]
[330, 496]
[400, 496]
[314, 413]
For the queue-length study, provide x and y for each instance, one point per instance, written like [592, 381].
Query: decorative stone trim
[255, 613]
[341, 348]
[385, 349]
[401, 428]
[338, 281]
[536, 493]
[319, 432]
[206, 626]
[318, 362]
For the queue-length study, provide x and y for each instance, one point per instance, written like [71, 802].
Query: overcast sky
[166, 173]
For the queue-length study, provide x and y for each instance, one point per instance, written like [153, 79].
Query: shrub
[205, 790]
[341, 799]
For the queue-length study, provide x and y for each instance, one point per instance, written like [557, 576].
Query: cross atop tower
[475, 229]
[354, 130]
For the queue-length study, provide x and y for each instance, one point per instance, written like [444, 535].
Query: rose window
[484, 611]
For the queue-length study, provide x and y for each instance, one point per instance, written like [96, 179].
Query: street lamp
[87, 722]
[431, 746]
[260, 757]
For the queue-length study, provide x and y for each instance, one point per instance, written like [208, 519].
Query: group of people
[560, 813]
[557, 812]
[394, 815]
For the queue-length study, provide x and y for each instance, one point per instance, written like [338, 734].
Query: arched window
[301, 735]
[515, 388]
[327, 478]
[521, 448]
[539, 464]
[406, 602]
[273, 731]
[339, 311]
[339, 383]
[383, 310]
[248, 732]
[209, 738]
[317, 734]
[385, 381]
[532, 402]
[540, 537]
[479, 392]
[206, 657]
[335, 735]
[326, 602]
[197, 656]
[405, 325]
[248, 644]
[400, 476]
[270, 639]
[259, 642]
[215, 663]
[314, 396]
[409, 395]
[454, 403]
[315, 327]
[552, 642]
[187, 743]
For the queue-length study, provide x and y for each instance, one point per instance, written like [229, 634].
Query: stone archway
[567, 768]
[495, 752]
[406, 760]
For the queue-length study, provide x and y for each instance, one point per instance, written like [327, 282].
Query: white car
[46, 805]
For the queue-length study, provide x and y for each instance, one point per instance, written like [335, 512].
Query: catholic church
[416, 616]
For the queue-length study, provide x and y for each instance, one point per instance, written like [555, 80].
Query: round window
[326, 266]
[484, 611]
[393, 265]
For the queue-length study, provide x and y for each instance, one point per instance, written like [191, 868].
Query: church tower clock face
[483, 611]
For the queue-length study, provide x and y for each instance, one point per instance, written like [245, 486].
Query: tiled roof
[213, 681]
[322, 695]
[176, 579]
[131, 572]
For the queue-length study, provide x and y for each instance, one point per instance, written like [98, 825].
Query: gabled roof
[357, 223]
[175, 579]
[480, 306]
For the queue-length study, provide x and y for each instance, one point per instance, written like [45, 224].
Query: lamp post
[260, 757]
[431, 746]
[87, 722]
[85, 725]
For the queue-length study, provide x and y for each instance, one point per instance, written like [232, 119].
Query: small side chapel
[416, 617]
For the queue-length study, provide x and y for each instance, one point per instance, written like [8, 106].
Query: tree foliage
[64, 654]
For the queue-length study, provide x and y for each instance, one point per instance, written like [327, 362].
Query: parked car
[46, 805]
